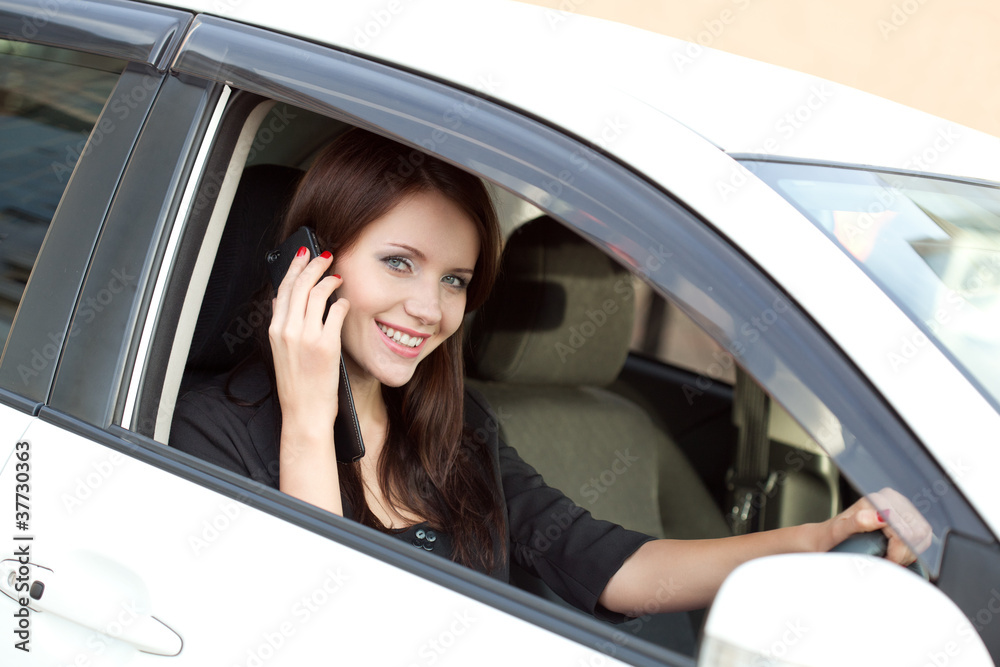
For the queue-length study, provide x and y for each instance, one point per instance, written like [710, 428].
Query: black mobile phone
[346, 430]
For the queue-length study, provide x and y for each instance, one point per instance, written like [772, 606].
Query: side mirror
[831, 610]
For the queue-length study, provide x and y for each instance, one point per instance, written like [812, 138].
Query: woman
[412, 246]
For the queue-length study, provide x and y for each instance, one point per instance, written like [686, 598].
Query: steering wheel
[875, 543]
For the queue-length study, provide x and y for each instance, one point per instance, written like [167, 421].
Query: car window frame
[146, 38]
[550, 167]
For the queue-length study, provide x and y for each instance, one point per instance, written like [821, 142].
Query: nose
[424, 303]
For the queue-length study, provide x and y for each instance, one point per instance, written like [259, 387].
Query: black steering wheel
[875, 543]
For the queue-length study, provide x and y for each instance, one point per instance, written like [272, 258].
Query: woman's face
[406, 280]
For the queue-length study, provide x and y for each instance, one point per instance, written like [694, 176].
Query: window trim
[135, 32]
[132, 240]
[44, 314]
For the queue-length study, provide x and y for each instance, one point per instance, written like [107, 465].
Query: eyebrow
[422, 257]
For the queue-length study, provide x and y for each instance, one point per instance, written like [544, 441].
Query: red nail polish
[337, 276]
[326, 254]
[883, 515]
[301, 251]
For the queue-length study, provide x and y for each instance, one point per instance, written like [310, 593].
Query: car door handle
[95, 592]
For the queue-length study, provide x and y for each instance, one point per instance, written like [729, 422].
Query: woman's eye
[455, 281]
[398, 263]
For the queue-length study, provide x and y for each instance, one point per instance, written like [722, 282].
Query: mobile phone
[346, 430]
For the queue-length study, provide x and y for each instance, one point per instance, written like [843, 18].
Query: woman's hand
[306, 349]
[306, 352]
[875, 512]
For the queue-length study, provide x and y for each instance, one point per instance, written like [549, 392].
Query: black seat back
[233, 306]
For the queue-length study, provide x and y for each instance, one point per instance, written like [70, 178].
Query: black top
[548, 534]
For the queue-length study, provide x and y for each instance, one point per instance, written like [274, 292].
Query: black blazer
[548, 535]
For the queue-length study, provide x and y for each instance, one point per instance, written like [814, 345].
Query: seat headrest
[229, 313]
[560, 313]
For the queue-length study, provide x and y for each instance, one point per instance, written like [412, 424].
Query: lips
[405, 343]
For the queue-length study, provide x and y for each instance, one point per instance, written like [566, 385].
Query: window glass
[932, 244]
[663, 331]
[50, 100]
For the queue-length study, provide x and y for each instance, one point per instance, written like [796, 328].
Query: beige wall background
[941, 56]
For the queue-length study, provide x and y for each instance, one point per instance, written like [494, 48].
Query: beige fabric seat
[554, 334]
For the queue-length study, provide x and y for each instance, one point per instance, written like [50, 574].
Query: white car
[792, 299]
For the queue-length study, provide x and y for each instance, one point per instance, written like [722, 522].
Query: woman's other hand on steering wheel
[889, 511]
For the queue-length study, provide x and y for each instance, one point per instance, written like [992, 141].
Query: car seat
[232, 308]
[543, 349]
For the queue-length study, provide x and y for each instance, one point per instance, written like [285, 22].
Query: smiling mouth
[403, 339]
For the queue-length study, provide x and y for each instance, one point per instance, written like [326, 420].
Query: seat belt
[748, 481]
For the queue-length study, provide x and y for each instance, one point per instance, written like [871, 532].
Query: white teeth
[400, 337]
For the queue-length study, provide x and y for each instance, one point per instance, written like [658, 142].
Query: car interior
[607, 389]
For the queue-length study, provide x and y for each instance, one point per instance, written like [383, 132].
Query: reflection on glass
[932, 244]
[50, 100]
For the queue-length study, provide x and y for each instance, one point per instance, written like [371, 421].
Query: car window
[50, 100]
[663, 331]
[931, 243]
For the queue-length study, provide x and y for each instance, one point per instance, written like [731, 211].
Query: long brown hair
[429, 463]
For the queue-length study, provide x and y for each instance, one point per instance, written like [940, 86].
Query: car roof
[553, 64]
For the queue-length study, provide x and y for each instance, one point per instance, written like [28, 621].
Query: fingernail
[337, 276]
[326, 254]
[883, 516]
[301, 251]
